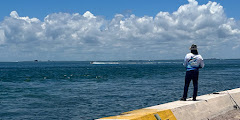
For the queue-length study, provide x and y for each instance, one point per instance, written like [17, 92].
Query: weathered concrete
[206, 107]
[230, 115]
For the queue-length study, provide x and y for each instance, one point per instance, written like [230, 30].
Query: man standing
[193, 61]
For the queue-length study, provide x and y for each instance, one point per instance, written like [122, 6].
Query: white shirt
[193, 62]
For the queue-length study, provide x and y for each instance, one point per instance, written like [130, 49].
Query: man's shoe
[183, 99]
[194, 99]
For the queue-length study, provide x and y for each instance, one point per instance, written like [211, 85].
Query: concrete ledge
[206, 107]
[143, 114]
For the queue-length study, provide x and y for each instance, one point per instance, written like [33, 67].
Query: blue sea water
[84, 91]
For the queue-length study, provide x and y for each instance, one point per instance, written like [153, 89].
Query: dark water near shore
[83, 91]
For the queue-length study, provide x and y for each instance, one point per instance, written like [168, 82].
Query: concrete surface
[230, 115]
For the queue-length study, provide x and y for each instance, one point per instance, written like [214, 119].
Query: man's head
[193, 47]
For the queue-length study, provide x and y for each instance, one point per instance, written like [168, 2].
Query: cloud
[64, 36]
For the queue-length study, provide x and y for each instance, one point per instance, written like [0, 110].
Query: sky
[91, 30]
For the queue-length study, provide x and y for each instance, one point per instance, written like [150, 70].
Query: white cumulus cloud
[64, 36]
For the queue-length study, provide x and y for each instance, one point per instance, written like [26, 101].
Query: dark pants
[191, 75]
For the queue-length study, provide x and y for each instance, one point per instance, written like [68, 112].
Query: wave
[132, 62]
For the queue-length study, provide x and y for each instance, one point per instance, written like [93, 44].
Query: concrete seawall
[206, 107]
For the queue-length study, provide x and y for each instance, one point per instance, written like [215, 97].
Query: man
[193, 61]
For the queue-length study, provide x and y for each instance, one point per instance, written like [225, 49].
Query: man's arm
[201, 63]
[185, 61]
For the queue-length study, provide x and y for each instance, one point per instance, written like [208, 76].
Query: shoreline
[208, 106]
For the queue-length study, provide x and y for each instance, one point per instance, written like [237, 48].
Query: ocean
[84, 91]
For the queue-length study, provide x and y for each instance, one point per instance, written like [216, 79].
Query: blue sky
[118, 29]
[106, 8]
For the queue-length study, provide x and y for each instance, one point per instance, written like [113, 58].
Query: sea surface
[83, 91]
